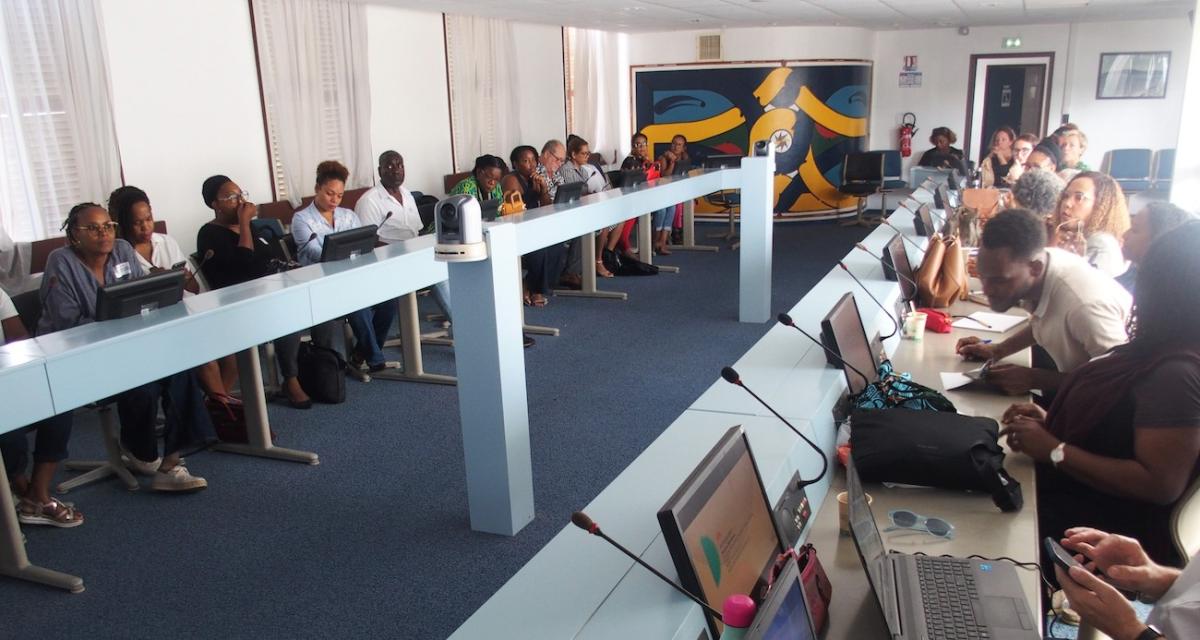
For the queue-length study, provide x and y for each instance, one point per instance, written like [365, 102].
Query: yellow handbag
[513, 203]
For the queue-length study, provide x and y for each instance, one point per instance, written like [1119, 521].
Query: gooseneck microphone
[199, 265]
[731, 376]
[861, 247]
[786, 320]
[306, 242]
[906, 238]
[583, 521]
[895, 324]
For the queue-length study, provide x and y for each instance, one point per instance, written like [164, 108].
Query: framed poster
[1134, 75]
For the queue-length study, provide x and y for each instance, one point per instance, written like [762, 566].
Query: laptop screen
[784, 615]
[870, 549]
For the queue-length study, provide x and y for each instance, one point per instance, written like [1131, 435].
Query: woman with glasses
[577, 169]
[1021, 148]
[1091, 217]
[639, 158]
[231, 240]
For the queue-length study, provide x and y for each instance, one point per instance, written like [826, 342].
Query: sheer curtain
[599, 90]
[482, 61]
[313, 57]
[58, 144]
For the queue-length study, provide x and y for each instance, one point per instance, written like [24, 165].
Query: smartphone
[178, 265]
[1060, 555]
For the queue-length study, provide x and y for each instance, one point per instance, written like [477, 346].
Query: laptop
[784, 615]
[934, 598]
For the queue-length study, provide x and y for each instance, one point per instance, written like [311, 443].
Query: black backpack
[322, 373]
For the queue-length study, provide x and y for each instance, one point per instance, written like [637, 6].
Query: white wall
[542, 98]
[771, 43]
[186, 105]
[410, 109]
[1185, 190]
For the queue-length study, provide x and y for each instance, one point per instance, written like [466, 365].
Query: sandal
[54, 513]
[602, 271]
[538, 300]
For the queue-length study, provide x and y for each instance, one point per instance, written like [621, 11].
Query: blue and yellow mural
[813, 113]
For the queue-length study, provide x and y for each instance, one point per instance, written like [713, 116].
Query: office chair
[862, 176]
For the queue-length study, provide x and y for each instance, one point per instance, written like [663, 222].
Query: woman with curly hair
[1090, 220]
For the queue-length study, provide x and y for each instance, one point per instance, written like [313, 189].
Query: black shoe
[529, 342]
[306, 404]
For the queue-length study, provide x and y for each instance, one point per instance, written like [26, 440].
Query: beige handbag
[942, 278]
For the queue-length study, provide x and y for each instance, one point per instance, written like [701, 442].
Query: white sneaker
[177, 478]
[140, 466]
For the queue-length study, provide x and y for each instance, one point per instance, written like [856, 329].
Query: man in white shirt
[11, 327]
[390, 196]
[1076, 312]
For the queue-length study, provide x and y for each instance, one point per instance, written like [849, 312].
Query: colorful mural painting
[814, 113]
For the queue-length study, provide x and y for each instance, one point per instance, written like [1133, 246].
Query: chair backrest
[350, 198]
[1185, 521]
[1164, 165]
[40, 251]
[893, 166]
[281, 210]
[865, 166]
[452, 179]
[1128, 164]
[29, 309]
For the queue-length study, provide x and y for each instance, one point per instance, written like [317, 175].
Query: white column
[1185, 186]
[758, 210]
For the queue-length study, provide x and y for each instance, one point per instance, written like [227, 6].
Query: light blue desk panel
[573, 575]
[83, 363]
[543, 226]
[336, 288]
[24, 391]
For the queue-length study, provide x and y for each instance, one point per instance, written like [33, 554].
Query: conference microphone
[583, 521]
[907, 279]
[906, 238]
[199, 265]
[731, 376]
[895, 324]
[310, 239]
[786, 320]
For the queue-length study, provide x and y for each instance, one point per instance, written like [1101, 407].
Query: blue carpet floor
[375, 542]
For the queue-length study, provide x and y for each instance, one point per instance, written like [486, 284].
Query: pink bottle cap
[738, 611]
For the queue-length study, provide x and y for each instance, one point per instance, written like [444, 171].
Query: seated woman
[35, 505]
[1091, 219]
[998, 163]
[577, 169]
[1121, 442]
[95, 257]
[1157, 219]
[1074, 143]
[943, 155]
[234, 260]
[542, 267]
[484, 181]
[639, 158]
[1022, 147]
[310, 225]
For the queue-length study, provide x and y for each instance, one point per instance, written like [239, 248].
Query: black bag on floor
[322, 373]
[933, 449]
[623, 265]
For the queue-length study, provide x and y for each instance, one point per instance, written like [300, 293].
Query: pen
[987, 341]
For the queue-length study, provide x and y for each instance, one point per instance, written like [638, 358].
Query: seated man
[1076, 312]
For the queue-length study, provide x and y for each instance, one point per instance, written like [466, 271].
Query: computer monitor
[349, 244]
[784, 615]
[719, 527]
[632, 177]
[143, 295]
[489, 210]
[953, 181]
[723, 161]
[944, 198]
[842, 329]
[895, 261]
[923, 221]
[568, 193]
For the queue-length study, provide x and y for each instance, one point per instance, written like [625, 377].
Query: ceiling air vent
[710, 47]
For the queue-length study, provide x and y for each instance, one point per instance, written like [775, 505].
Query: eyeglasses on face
[244, 196]
[101, 229]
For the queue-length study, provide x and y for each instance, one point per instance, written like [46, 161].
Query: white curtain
[58, 144]
[599, 90]
[482, 60]
[313, 55]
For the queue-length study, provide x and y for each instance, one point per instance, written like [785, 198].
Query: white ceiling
[669, 15]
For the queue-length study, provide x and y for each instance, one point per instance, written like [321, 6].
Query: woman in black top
[544, 266]
[943, 155]
[999, 161]
[1121, 442]
[230, 238]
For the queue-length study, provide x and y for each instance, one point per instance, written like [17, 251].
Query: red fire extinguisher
[908, 126]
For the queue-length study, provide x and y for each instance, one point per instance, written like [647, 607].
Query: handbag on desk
[942, 278]
[898, 391]
[817, 588]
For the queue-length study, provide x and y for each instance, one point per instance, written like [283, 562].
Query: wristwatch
[1150, 633]
[1058, 454]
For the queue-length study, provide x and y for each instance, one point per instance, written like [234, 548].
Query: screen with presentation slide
[719, 528]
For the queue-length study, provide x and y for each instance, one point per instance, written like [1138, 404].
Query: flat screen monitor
[784, 615]
[349, 244]
[943, 197]
[632, 177]
[723, 161]
[953, 181]
[143, 295]
[897, 267]
[568, 193]
[923, 221]
[719, 527]
[843, 329]
[489, 210]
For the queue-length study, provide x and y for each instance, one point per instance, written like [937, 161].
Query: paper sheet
[985, 321]
[954, 379]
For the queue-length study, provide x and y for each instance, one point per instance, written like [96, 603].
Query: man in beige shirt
[1076, 311]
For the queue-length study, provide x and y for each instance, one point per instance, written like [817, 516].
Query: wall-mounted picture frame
[1134, 75]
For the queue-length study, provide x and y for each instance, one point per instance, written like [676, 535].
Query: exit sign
[1012, 43]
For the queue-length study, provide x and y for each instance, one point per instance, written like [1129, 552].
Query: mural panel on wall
[815, 113]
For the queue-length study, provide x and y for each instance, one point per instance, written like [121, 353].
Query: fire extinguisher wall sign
[908, 126]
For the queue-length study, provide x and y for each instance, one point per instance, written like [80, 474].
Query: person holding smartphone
[1109, 563]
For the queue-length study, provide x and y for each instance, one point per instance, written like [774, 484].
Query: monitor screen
[844, 327]
[942, 198]
[349, 244]
[870, 547]
[567, 193]
[923, 222]
[719, 527]
[895, 261]
[143, 295]
[723, 161]
[632, 177]
[489, 210]
[784, 615]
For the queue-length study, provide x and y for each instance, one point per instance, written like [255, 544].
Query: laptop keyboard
[947, 589]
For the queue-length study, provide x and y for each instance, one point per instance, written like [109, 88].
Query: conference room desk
[980, 527]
